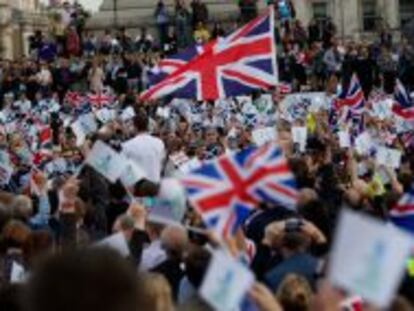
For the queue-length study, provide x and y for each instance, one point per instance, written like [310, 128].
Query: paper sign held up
[369, 258]
[116, 242]
[170, 205]
[131, 174]
[226, 282]
[299, 136]
[344, 139]
[106, 161]
[389, 157]
[18, 274]
[6, 169]
[264, 135]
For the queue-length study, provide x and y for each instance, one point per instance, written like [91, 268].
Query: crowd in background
[166, 263]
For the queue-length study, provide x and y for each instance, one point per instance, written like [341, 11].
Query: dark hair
[11, 297]
[84, 280]
[196, 265]
[294, 241]
[141, 121]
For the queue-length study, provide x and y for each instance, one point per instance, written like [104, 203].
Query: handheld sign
[264, 135]
[116, 242]
[6, 170]
[106, 161]
[131, 174]
[18, 274]
[369, 258]
[170, 204]
[389, 157]
[226, 282]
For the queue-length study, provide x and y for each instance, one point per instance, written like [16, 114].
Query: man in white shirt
[147, 151]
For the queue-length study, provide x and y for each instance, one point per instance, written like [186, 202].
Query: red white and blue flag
[224, 191]
[100, 100]
[74, 99]
[235, 65]
[404, 105]
[353, 97]
[402, 214]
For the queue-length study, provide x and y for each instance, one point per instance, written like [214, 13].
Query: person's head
[157, 292]
[22, 207]
[84, 280]
[16, 234]
[293, 243]
[174, 240]
[196, 264]
[141, 121]
[211, 136]
[154, 230]
[124, 223]
[41, 243]
[294, 293]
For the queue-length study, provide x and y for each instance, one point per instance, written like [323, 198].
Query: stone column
[390, 11]
[347, 17]
[303, 11]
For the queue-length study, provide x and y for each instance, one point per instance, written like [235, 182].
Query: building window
[369, 15]
[406, 11]
[320, 10]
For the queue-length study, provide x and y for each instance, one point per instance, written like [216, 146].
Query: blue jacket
[301, 264]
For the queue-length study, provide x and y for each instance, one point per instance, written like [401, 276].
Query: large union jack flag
[232, 66]
[225, 190]
[353, 97]
[404, 105]
[402, 214]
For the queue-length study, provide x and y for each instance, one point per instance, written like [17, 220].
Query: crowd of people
[54, 209]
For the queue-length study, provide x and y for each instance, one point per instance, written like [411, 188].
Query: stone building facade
[358, 18]
[354, 18]
[18, 20]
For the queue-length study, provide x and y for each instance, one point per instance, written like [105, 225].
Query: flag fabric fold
[225, 191]
[235, 65]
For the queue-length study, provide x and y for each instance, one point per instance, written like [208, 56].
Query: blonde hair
[157, 291]
[294, 293]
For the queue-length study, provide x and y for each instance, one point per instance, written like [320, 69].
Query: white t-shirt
[148, 152]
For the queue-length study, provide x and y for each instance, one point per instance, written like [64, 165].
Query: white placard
[388, 157]
[116, 242]
[369, 258]
[18, 274]
[84, 126]
[163, 112]
[106, 115]
[226, 282]
[264, 135]
[127, 114]
[344, 139]
[299, 136]
[364, 143]
[132, 174]
[6, 169]
[106, 161]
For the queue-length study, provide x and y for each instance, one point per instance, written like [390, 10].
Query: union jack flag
[224, 191]
[236, 65]
[404, 105]
[74, 99]
[100, 100]
[353, 97]
[284, 88]
[402, 214]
